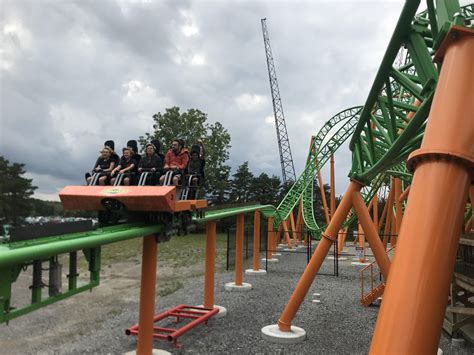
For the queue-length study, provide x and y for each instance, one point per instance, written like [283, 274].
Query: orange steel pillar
[340, 242]
[375, 210]
[210, 264]
[333, 187]
[239, 250]
[323, 197]
[385, 209]
[414, 303]
[299, 219]
[329, 236]
[286, 233]
[256, 241]
[405, 193]
[147, 296]
[271, 238]
[371, 233]
[293, 229]
[361, 234]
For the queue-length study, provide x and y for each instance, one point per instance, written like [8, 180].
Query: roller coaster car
[151, 204]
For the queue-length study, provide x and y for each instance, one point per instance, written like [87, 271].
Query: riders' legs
[126, 181]
[102, 180]
[175, 180]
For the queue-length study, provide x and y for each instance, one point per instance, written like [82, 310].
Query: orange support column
[256, 247]
[323, 197]
[361, 235]
[210, 264]
[411, 317]
[239, 250]
[147, 296]
[294, 234]
[271, 239]
[287, 234]
[238, 283]
[299, 218]
[371, 233]
[329, 236]
[375, 211]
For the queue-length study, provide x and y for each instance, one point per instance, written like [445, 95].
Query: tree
[265, 189]
[15, 191]
[240, 184]
[191, 126]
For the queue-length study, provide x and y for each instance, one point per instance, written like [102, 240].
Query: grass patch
[180, 251]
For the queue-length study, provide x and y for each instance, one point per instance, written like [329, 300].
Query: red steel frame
[197, 314]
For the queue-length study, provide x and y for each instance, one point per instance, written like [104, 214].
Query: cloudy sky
[75, 73]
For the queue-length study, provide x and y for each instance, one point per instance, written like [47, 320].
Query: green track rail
[17, 256]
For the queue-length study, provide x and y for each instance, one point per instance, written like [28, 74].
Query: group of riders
[179, 166]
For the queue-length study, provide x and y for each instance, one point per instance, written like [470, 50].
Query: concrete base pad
[255, 272]
[231, 286]
[359, 263]
[276, 254]
[154, 352]
[274, 334]
[272, 260]
[287, 249]
[222, 311]
[339, 258]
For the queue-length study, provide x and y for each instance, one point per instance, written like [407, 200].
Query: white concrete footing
[358, 263]
[222, 311]
[255, 272]
[274, 334]
[272, 260]
[154, 352]
[288, 249]
[231, 286]
[276, 254]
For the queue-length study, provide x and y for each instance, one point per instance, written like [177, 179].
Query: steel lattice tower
[286, 159]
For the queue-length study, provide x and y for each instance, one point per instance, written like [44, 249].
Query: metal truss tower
[286, 159]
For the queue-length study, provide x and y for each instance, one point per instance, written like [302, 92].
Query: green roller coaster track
[383, 133]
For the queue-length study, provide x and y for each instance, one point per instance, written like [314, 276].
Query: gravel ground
[338, 324]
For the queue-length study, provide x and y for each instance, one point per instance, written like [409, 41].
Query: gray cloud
[75, 73]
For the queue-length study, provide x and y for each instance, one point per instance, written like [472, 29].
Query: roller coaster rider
[195, 170]
[150, 166]
[176, 160]
[125, 171]
[102, 168]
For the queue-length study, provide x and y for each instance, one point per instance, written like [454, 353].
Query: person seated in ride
[195, 167]
[133, 145]
[176, 160]
[114, 156]
[150, 166]
[126, 167]
[103, 166]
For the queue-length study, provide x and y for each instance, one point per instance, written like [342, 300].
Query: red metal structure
[197, 315]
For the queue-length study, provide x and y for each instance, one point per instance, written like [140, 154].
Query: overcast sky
[75, 73]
